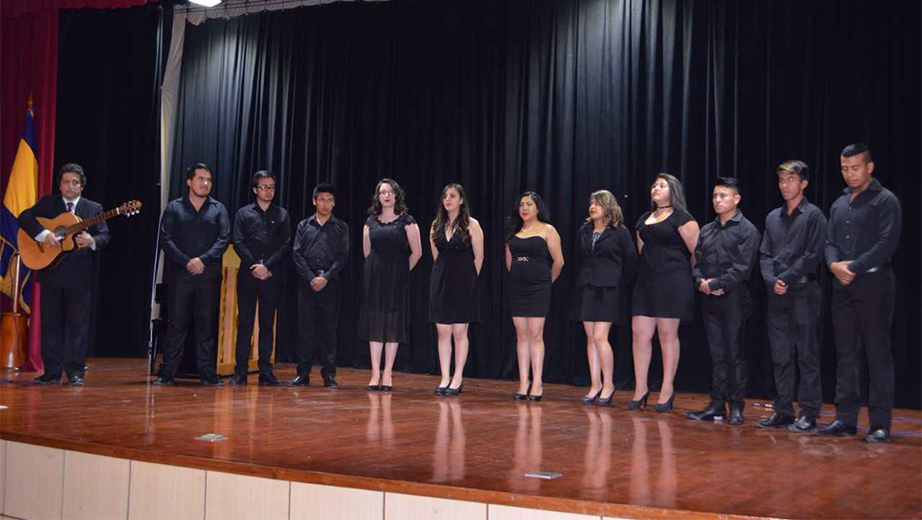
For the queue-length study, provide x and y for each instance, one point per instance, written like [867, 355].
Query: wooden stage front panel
[477, 447]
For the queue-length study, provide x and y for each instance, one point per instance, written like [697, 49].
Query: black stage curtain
[562, 97]
[109, 75]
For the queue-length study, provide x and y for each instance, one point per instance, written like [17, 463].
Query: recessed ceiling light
[206, 3]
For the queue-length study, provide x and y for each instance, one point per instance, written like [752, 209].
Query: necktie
[70, 207]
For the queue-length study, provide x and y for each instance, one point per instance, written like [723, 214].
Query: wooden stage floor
[478, 446]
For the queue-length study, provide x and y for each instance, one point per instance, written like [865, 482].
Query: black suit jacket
[76, 269]
[613, 262]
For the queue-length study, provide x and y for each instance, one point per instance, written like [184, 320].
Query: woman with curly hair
[391, 244]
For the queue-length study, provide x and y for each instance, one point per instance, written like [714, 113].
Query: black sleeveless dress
[453, 285]
[665, 285]
[385, 313]
[530, 277]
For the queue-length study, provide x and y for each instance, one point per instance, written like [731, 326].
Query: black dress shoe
[639, 404]
[301, 381]
[589, 399]
[269, 380]
[162, 381]
[75, 380]
[777, 420]
[605, 401]
[664, 407]
[878, 434]
[836, 429]
[45, 379]
[736, 414]
[711, 411]
[805, 423]
[330, 382]
[238, 380]
[212, 381]
[454, 392]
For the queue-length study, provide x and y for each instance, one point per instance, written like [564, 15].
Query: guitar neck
[92, 221]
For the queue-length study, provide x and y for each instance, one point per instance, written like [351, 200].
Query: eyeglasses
[266, 187]
[386, 192]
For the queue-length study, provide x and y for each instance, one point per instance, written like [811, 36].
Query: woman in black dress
[534, 260]
[664, 296]
[607, 262]
[456, 240]
[391, 244]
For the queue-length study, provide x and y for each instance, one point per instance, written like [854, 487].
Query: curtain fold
[560, 97]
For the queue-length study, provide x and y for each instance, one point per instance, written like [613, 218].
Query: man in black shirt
[321, 249]
[194, 231]
[66, 287]
[862, 234]
[792, 249]
[262, 238]
[724, 258]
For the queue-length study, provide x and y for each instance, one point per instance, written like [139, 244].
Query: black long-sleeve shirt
[726, 253]
[186, 234]
[792, 246]
[319, 248]
[261, 236]
[865, 230]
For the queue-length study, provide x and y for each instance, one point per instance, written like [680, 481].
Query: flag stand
[14, 328]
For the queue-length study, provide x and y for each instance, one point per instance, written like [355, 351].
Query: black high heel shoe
[441, 390]
[605, 401]
[641, 404]
[535, 398]
[589, 399]
[521, 397]
[454, 392]
[664, 407]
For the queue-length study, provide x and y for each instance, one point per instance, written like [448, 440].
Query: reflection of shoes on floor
[777, 420]
[837, 429]
[878, 434]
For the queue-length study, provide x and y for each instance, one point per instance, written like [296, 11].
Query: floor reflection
[380, 428]
[449, 446]
[598, 456]
[527, 448]
[660, 488]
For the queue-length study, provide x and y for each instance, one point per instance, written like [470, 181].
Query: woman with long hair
[456, 241]
[392, 248]
[664, 296]
[534, 261]
[607, 262]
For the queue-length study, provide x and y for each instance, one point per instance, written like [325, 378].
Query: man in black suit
[194, 232]
[66, 287]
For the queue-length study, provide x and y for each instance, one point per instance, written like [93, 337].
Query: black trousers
[65, 329]
[724, 317]
[793, 319]
[190, 296]
[862, 313]
[318, 310]
[249, 292]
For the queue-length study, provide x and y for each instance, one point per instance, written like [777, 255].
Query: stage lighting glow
[206, 3]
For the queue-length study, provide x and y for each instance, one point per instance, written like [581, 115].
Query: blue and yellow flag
[21, 194]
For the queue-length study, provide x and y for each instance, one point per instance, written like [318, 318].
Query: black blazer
[613, 262]
[76, 270]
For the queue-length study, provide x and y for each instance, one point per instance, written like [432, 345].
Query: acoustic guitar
[38, 256]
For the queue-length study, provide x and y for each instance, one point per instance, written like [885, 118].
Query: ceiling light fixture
[206, 3]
